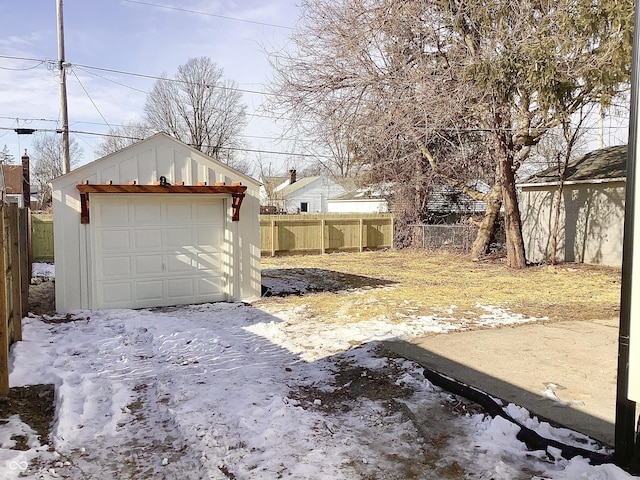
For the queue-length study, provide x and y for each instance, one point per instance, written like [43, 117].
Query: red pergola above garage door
[236, 190]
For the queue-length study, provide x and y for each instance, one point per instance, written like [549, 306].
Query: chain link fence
[457, 237]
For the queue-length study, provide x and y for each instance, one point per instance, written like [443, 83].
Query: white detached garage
[155, 224]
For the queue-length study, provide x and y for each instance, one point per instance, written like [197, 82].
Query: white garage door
[157, 250]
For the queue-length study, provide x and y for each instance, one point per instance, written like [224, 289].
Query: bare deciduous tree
[122, 137]
[453, 88]
[199, 107]
[47, 161]
[6, 157]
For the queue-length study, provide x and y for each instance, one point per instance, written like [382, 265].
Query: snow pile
[225, 391]
[43, 271]
[323, 338]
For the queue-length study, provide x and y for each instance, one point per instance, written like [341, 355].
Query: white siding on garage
[181, 248]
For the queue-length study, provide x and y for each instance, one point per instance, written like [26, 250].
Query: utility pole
[66, 161]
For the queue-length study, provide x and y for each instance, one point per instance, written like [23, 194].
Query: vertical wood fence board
[4, 317]
[14, 272]
[8, 293]
[25, 267]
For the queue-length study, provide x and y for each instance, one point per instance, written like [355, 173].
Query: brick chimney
[26, 184]
[292, 176]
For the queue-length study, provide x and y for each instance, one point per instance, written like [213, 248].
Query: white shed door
[157, 250]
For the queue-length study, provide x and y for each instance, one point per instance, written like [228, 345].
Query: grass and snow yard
[296, 385]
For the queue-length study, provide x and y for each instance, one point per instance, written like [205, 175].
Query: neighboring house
[155, 224]
[293, 195]
[591, 211]
[447, 204]
[12, 186]
[358, 201]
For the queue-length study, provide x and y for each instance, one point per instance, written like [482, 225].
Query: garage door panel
[207, 214]
[179, 237]
[180, 288]
[147, 213]
[115, 266]
[113, 213]
[149, 290]
[179, 263]
[116, 294]
[209, 286]
[158, 250]
[110, 241]
[179, 214]
[208, 261]
[149, 264]
[150, 238]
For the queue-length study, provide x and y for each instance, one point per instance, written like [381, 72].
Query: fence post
[361, 233]
[25, 264]
[4, 320]
[322, 226]
[16, 277]
[273, 237]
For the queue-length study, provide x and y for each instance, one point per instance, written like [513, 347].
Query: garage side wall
[590, 228]
[145, 163]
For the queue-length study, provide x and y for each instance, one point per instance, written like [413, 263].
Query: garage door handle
[164, 266]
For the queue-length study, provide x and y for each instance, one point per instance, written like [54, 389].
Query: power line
[91, 100]
[111, 80]
[22, 69]
[116, 125]
[125, 137]
[135, 74]
[167, 79]
[185, 10]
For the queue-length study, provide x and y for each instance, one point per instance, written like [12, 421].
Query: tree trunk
[489, 222]
[512, 222]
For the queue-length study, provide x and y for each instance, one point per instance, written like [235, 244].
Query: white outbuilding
[156, 224]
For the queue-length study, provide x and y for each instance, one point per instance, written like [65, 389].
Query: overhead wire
[91, 99]
[242, 90]
[127, 137]
[225, 17]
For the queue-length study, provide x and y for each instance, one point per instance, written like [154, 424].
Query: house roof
[273, 182]
[12, 179]
[361, 195]
[81, 172]
[295, 186]
[605, 164]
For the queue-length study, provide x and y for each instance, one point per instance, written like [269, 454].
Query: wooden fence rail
[15, 274]
[325, 233]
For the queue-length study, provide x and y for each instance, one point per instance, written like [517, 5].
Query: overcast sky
[139, 37]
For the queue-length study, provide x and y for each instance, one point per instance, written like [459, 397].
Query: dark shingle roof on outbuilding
[604, 164]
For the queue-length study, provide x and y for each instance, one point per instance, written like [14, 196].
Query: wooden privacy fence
[15, 274]
[42, 237]
[325, 232]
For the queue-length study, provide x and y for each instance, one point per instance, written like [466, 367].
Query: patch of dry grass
[427, 283]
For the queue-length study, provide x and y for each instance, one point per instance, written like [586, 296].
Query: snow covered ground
[221, 391]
